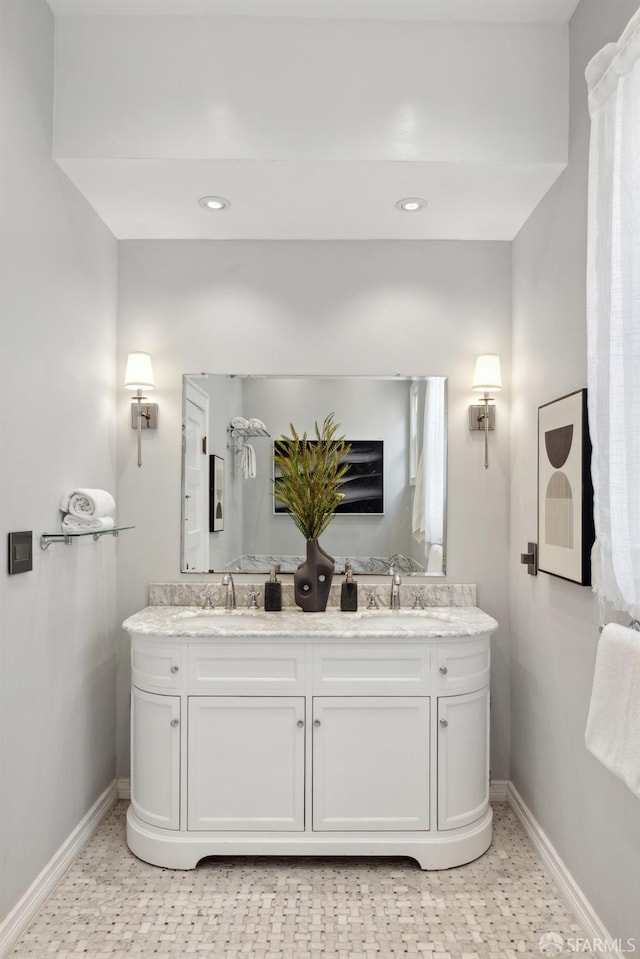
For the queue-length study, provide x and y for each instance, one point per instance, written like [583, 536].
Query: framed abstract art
[565, 493]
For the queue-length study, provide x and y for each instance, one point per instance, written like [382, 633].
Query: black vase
[312, 579]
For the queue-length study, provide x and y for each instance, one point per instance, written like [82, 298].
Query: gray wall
[58, 320]
[380, 307]
[589, 816]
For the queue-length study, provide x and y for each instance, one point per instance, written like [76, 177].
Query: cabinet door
[463, 758]
[155, 758]
[246, 763]
[371, 763]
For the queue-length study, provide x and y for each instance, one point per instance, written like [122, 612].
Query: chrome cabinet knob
[444, 723]
[316, 722]
[300, 723]
[175, 669]
[444, 670]
[175, 722]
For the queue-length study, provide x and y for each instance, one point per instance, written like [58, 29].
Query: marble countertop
[432, 623]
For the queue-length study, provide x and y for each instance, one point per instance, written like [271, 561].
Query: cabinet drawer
[267, 669]
[462, 665]
[156, 664]
[366, 670]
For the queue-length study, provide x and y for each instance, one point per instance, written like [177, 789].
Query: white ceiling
[552, 11]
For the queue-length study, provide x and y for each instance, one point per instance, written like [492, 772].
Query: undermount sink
[398, 615]
[242, 619]
[211, 617]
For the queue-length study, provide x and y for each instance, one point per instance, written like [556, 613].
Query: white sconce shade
[487, 377]
[139, 373]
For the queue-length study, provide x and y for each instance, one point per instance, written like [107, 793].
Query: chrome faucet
[230, 591]
[208, 601]
[396, 583]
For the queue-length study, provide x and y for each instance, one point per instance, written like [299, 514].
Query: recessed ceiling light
[214, 203]
[411, 204]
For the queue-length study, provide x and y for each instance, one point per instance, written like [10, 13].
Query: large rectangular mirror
[229, 519]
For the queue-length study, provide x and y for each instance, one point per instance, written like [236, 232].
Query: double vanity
[321, 734]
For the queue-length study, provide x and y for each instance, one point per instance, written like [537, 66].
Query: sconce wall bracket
[148, 415]
[476, 417]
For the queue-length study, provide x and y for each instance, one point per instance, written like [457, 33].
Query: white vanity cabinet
[245, 763]
[155, 772]
[310, 745]
[370, 763]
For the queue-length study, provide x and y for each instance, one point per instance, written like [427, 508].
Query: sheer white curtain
[613, 316]
[428, 503]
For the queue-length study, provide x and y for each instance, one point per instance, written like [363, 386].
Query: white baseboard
[124, 788]
[593, 927]
[498, 790]
[43, 885]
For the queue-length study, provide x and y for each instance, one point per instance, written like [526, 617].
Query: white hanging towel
[91, 503]
[613, 724]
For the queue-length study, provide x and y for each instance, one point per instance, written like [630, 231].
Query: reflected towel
[256, 424]
[613, 725]
[72, 524]
[248, 461]
[434, 562]
[418, 518]
[239, 423]
[88, 503]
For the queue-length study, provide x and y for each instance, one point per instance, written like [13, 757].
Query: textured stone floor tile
[110, 905]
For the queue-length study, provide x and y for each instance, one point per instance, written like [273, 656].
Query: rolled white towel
[73, 524]
[88, 503]
[239, 423]
[256, 424]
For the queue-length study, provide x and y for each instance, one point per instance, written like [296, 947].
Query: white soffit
[524, 11]
[158, 199]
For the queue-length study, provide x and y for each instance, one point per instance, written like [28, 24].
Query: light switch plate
[20, 552]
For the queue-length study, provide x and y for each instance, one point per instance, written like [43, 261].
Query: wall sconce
[486, 379]
[139, 377]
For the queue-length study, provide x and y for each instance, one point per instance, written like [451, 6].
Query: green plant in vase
[308, 482]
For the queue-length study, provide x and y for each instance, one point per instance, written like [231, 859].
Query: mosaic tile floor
[109, 904]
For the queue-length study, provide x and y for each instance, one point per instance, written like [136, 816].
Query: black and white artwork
[216, 494]
[363, 484]
[565, 494]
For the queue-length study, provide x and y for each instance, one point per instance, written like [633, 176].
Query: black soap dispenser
[349, 591]
[273, 592]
